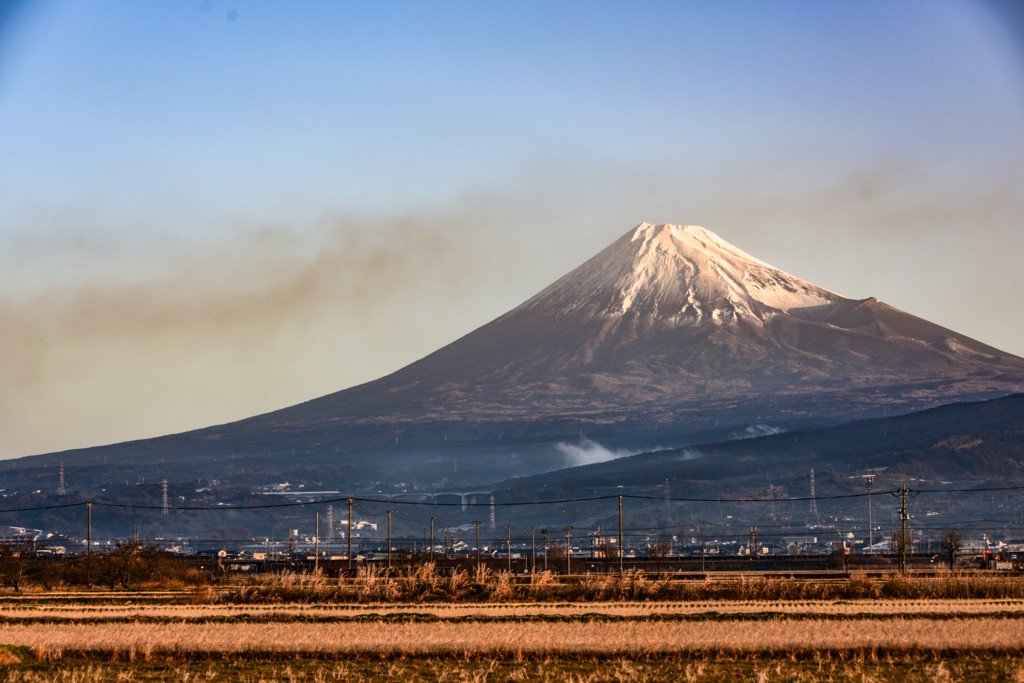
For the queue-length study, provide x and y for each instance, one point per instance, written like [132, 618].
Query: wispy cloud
[754, 431]
[137, 339]
[587, 452]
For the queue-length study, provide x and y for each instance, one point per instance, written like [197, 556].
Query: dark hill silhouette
[956, 444]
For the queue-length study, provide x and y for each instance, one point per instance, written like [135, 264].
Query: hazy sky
[214, 209]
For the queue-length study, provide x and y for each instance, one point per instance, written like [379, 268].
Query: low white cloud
[587, 452]
[690, 454]
[754, 431]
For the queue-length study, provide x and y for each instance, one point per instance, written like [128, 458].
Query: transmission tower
[814, 500]
[62, 490]
[330, 523]
[163, 488]
[493, 527]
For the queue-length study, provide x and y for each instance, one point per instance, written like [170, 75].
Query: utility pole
[88, 531]
[349, 533]
[544, 533]
[533, 549]
[316, 545]
[702, 547]
[622, 549]
[903, 521]
[868, 478]
[431, 538]
[389, 539]
[508, 529]
[988, 562]
[903, 528]
[477, 525]
[842, 546]
[568, 551]
[88, 544]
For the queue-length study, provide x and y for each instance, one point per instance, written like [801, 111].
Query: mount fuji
[673, 325]
[669, 336]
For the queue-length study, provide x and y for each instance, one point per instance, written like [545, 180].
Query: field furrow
[770, 635]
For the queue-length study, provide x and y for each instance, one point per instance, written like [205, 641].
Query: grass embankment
[423, 584]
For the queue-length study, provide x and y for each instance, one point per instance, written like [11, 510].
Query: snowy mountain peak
[684, 274]
[690, 238]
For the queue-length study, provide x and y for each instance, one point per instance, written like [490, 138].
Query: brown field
[66, 607]
[775, 635]
[205, 634]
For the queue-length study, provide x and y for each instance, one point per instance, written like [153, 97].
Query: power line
[46, 507]
[558, 501]
[974, 490]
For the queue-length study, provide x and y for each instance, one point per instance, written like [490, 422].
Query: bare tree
[658, 551]
[901, 543]
[556, 555]
[122, 564]
[951, 544]
[840, 558]
[128, 564]
[14, 557]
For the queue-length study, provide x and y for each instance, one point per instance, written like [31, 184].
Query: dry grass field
[202, 634]
[516, 638]
[67, 607]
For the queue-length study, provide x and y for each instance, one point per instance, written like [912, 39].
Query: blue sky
[214, 209]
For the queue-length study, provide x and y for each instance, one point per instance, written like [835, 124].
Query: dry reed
[423, 584]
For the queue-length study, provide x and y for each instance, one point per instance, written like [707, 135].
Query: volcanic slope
[670, 335]
[671, 324]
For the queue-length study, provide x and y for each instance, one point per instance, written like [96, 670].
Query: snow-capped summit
[672, 324]
[683, 273]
